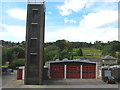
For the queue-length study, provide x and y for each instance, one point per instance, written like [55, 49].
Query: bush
[18, 62]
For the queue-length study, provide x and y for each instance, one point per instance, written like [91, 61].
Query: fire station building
[76, 69]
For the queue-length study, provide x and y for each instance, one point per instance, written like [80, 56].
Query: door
[89, 71]
[20, 74]
[57, 71]
[72, 71]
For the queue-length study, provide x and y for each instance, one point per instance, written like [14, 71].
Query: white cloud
[94, 26]
[83, 34]
[70, 6]
[50, 12]
[66, 20]
[107, 0]
[56, 0]
[100, 20]
[18, 13]
[12, 33]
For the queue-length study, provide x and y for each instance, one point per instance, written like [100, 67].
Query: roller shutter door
[57, 71]
[73, 71]
[88, 71]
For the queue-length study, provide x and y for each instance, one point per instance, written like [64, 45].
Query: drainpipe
[96, 70]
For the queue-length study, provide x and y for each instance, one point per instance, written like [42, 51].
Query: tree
[108, 51]
[63, 44]
[12, 53]
[98, 45]
[18, 62]
[51, 53]
[118, 55]
[4, 55]
[63, 54]
[115, 45]
[111, 48]
[79, 52]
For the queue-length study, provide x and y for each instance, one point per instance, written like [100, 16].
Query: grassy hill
[88, 53]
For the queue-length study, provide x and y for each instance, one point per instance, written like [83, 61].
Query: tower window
[33, 46]
[34, 12]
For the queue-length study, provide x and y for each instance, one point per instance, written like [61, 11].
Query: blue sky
[73, 20]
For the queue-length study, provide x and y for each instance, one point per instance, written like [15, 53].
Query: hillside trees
[63, 44]
[4, 55]
[60, 49]
[111, 48]
[65, 49]
[98, 45]
[51, 53]
[12, 54]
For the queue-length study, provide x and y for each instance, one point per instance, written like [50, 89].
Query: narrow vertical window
[34, 31]
[34, 12]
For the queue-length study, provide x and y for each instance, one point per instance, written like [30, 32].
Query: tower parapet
[36, 1]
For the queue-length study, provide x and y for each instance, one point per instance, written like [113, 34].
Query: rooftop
[75, 60]
[108, 58]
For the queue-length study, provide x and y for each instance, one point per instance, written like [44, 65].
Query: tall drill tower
[34, 42]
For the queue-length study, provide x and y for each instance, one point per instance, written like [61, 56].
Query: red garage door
[20, 74]
[88, 71]
[57, 71]
[72, 71]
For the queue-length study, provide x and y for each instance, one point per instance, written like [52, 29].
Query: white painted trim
[65, 71]
[21, 67]
[96, 70]
[34, 38]
[34, 23]
[35, 9]
[33, 53]
[81, 71]
[23, 74]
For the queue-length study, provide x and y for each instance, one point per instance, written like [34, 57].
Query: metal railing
[36, 1]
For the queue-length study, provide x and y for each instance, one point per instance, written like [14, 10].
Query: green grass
[91, 51]
[97, 53]
[5, 66]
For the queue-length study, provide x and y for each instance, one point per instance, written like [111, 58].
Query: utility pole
[35, 26]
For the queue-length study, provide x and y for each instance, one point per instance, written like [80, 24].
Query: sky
[73, 20]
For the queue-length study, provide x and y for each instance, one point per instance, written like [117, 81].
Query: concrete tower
[34, 42]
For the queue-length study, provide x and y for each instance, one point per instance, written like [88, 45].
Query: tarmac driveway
[57, 83]
[80, 83]
[74, 82]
